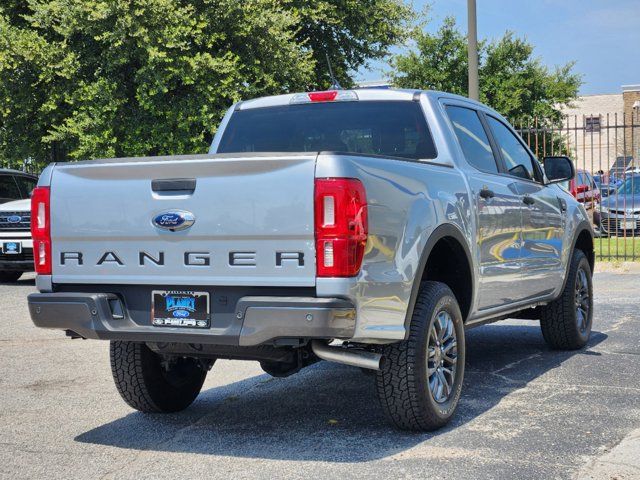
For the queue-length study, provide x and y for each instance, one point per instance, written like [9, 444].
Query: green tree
[512, 80]
[349, 32]
[97, 78]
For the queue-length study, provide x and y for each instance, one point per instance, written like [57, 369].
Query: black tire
[403, 385]
[146, 385]
[9, 276]
[559, 320]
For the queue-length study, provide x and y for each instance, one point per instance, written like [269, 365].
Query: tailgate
[253, 221]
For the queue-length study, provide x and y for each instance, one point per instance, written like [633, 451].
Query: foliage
[99, 78]
[349, 32]
[512, 80]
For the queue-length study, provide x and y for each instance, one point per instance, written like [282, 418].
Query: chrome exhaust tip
[353, 357]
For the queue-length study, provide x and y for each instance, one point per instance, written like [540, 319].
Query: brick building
[603, 131]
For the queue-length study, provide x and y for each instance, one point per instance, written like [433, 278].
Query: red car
[584, 188]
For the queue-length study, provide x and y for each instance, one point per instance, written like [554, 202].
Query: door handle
[486, 193]
[528, 200]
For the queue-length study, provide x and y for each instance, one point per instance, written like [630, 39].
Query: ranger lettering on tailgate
[190, 259]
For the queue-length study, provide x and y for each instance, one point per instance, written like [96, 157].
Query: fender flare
[583, 226]
[440, 232]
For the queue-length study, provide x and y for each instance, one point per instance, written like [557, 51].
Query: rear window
[395, 129]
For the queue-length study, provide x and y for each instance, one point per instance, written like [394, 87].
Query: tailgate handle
[174, 185]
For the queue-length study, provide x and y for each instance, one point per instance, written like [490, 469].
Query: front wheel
[153, 384]
[566, 322]
[420, 382]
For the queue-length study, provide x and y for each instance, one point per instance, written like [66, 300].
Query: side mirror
[558, 169]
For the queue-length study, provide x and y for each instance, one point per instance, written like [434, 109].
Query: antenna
[334, 83]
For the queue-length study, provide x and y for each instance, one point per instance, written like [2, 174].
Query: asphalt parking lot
[526, 411]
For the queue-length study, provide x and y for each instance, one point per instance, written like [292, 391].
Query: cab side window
[472, 138]
[516, 157]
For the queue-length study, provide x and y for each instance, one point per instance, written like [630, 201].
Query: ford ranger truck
[365, 227]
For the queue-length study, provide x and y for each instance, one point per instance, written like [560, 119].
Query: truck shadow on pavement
[25, 280]
[329, 412]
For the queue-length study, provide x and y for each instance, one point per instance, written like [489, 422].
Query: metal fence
[606, 151]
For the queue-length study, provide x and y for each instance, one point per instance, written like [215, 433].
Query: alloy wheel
[442, 357]
[582, 300]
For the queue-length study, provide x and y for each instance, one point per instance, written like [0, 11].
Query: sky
[601, 36]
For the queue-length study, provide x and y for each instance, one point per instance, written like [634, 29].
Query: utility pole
[474, 88]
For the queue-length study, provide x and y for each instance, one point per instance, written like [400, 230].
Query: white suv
[16, 247]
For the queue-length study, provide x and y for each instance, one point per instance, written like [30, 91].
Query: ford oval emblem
[14, 219]
[174, 220]
[180, 313]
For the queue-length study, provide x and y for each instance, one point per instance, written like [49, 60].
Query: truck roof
[363, 94]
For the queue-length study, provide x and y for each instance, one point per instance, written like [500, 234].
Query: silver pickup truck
[367, 227]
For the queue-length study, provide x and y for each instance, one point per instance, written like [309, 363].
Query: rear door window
[387, 128]
[472, 138]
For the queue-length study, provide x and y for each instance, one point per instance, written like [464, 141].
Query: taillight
[327, 96]
[340, 226]
[41, 230]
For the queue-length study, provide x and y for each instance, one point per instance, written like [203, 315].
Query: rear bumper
[255, 320]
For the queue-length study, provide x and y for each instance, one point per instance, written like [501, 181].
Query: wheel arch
[583, 241]
[456, 272]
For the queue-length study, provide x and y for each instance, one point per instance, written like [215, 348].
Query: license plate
[179, 308]
[10, 248]
[629, 225]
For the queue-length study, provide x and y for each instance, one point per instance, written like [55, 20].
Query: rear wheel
[10, 277]
[566, 322]
[420, 382]
[150, 383]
